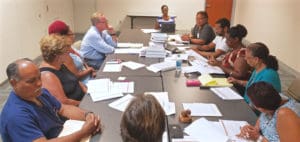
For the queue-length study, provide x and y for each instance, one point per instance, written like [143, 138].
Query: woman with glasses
[265, 67]
[74, 62]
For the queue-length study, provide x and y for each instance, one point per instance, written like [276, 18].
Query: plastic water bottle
[178, 63]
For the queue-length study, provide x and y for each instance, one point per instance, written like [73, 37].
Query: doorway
[217, 9]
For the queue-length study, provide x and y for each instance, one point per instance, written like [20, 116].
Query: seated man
[31, 113]
[202, 33]
[98, 41]
[219, 43]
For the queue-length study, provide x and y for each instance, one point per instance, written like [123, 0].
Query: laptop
[168, 27]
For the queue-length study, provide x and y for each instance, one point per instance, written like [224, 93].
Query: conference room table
[166, 81]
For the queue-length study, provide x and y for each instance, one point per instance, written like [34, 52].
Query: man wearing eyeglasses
[202, 33]
[99, 40]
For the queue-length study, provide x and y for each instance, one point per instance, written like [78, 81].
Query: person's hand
[110, 30]
[92, 124]
[212, 61]
[185, 37]
[249, 132]
[92, 71]
[232, 80]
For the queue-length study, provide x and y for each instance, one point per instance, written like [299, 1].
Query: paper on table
[147, 31]
[122, 103]
[133, 65]
[124, 87]
[101, 89]
[174, 43]
[183, 48]
[207, 80]
[163, 99]
[202, 109]
[130, 45]
[128, 51]
[205, 131]
[226, 93]
[71, 126]
[163, 66]
[112, 68]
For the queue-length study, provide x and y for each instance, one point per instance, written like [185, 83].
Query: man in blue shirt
[98, 41]
[31, 113]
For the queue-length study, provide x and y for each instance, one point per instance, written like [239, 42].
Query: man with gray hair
[31, 113]
[99, 40]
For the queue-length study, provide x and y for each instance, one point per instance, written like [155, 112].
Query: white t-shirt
[220, 43]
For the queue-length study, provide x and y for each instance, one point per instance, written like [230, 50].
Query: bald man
[31, 113]
[98, 41]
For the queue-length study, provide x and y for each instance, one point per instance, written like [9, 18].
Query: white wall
[83, 10]
[185, 10]
[274, 22]
[22, 25]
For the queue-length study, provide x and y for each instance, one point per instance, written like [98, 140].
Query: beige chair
[294, 90]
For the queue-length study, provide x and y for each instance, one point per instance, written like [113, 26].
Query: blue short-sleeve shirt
[22, 120]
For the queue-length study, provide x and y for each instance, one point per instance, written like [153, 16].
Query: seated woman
[265, 67]
[143, 120]
[56, 77]
[279, 119]
[74, 62]
[234, 63]
[165, 18]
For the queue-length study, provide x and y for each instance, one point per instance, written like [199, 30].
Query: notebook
[168, 27]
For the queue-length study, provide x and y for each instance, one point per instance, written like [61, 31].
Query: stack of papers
[129, 45]
[176, 38]
[155, 50]
[159, 37]
[209, 81]
[147, 31]
[163, 66]
[122, 103]
[220, 131]
[226, 93]
[128, 51]
[202, 109]
[163, 99]
[102, 89]
[133, 65]
[115, 67]
[71, 126]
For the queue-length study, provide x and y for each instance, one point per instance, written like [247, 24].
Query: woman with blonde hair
[56, 77]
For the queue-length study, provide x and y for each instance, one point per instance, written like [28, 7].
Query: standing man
[202, 33]
[99, 40]
[219, 43]
[31, 113]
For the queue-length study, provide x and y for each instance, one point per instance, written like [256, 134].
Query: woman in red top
[234, 63]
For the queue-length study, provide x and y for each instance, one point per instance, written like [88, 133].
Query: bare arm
[49, 79]
[71, 66]
[91, 126]
[288, 125]
[198, 41]
[215, 54]
[239, 70]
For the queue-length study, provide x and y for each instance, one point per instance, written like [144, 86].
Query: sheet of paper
[183, 48]
[101, 89]
[133, 65]
[205, 131]
[163, 99]
[128, 51]
[129, 45]
[122, 103]
[202, 109]
[112, 68]
[163, 66]
[124, 87]
[147, 31]
[71, 126]
[226, 93]
[174, 43]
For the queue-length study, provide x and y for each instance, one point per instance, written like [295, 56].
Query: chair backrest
[168, 27]
[294, 90]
